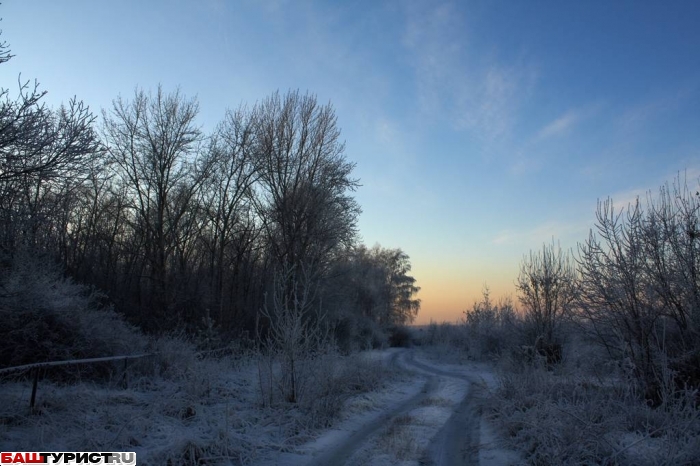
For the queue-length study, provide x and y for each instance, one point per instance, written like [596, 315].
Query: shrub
[491, 330]
[566, 418]
[640, 286]
[48, 317]
[400, 337]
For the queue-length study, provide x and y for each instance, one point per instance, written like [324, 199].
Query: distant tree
[380, 286]
[368, 293]
[401, 305]
[547, 287]
[490, 327]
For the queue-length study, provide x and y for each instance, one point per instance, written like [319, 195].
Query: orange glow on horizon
[444, 298]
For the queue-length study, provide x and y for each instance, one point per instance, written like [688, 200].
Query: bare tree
[305, 181]
[232, 228]
[616, 300]
[5, 52]
[44, 154]
[296, 328]
[671, 232]
[640, 291]
[155, 145]
[36, 142]
[547, 287]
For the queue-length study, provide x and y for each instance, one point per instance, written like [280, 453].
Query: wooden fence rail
[38, 366]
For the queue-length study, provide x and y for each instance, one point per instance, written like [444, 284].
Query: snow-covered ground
[440, 424]
[213, 414]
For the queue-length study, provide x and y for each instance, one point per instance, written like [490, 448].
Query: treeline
[601, 364]
[632, 287]
[187, 230]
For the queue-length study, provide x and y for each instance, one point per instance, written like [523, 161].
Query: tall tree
[232, 229]
[155, 144]
[305, 183]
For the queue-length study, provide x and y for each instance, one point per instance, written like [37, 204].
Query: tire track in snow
[342, 453]
[457, 442]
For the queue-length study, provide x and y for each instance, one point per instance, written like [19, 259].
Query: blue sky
[480, 129]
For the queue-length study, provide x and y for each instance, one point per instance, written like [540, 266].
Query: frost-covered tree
[547, 287]
[640, 286]
[154, 144]
[231, 229]
[44, 154]
[304, 190]
[381, 287]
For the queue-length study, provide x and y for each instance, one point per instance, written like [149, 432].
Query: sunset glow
[480, 130]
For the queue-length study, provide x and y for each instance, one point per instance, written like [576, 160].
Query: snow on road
[428, 414]
[432, 417]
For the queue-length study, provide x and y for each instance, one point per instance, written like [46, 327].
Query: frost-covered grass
[183, 409]
[398, 438]
[582, 411]
[566, 417]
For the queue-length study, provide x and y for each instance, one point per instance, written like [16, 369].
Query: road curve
[456, 443]
[342, 453]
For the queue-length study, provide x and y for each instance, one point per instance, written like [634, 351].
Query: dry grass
[556, 418]
[181, 408]
[437, 401]
[398, 440]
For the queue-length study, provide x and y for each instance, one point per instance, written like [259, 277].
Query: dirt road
[456, 442]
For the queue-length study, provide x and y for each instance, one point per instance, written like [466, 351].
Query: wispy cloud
[387, 132]
[636, 117]
[566, 122]
[482, 95]
[624, 199]
[689, 176]
[523, 164]
[542, 233]
[559, 126]
[491, 103]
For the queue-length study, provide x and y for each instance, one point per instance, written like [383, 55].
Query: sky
[480, 129]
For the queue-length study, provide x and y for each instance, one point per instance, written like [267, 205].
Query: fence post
[125, 379]
[34, 385]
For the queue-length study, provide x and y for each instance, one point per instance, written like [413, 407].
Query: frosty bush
[491, 329]
[562, 418]
[48, 317]
[334, 379]
[640, 287]
[296, 333]
[547, 288]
